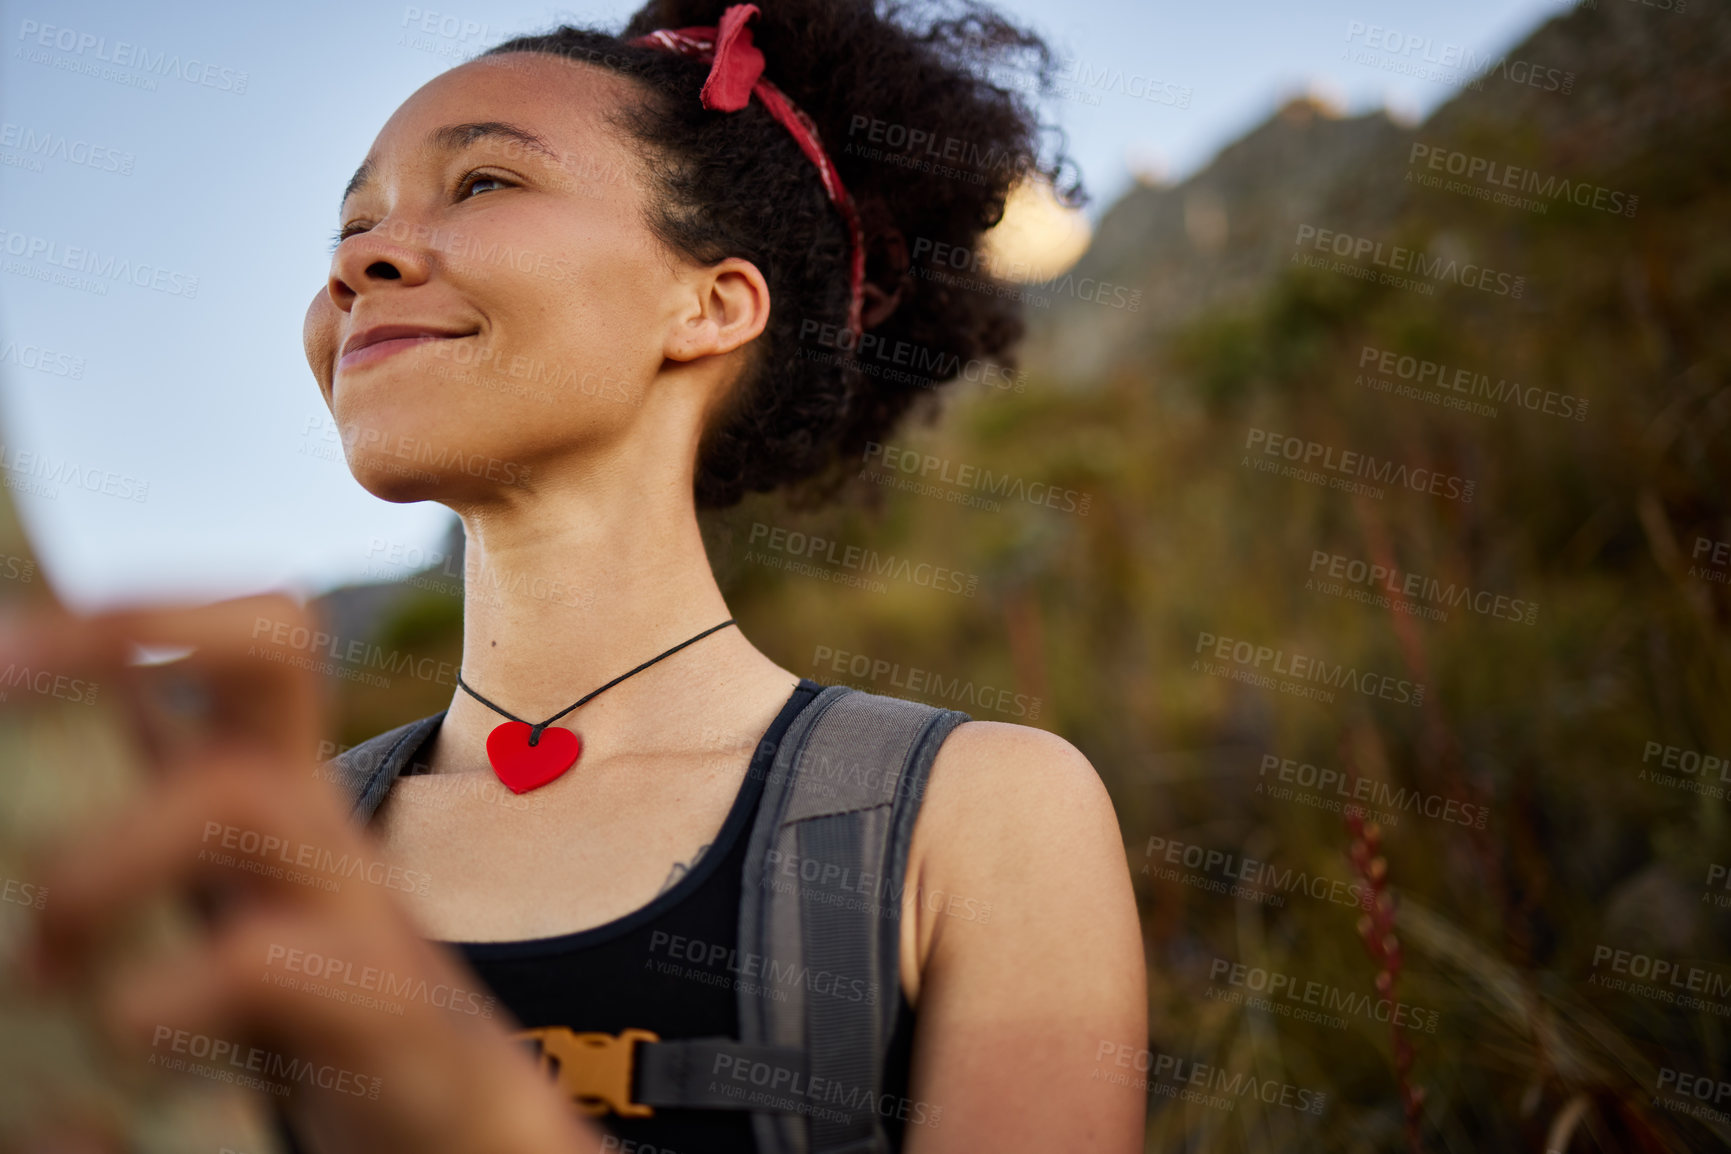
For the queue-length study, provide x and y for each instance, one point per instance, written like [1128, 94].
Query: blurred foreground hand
[237, 819]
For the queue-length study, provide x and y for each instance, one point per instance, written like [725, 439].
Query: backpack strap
[823, 883]
[365, 771]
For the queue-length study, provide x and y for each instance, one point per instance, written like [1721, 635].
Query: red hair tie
[735, 73]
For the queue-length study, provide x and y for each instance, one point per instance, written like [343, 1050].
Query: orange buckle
[595, 1069]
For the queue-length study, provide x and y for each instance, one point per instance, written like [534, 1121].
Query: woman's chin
[404, 448]
[404, 477]
[430, 474]
[400, 482]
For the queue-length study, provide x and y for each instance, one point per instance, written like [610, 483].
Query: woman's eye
[470, 183]
[476, 180]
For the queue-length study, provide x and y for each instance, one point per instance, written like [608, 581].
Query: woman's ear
[729, 307]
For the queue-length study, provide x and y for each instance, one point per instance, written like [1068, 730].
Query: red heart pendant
[523, 767]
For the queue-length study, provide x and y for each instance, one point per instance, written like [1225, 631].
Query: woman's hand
[293, 893]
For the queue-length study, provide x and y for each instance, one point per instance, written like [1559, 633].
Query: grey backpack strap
[824, 876]
[713, 1073]
[365, 771]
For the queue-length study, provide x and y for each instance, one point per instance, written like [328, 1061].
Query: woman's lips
[378, 351]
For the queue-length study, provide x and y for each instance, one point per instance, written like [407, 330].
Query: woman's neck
[572, 585]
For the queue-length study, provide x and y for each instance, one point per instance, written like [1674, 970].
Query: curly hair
[927, 146]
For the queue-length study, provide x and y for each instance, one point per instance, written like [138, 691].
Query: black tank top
[671, 967]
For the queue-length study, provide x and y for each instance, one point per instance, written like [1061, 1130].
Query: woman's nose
[391, 252]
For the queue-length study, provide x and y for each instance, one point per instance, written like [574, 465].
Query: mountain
[1212, 239]
[1219, 236]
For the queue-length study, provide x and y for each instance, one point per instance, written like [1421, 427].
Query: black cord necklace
[522, 760]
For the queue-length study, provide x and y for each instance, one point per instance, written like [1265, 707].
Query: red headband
[736, 73]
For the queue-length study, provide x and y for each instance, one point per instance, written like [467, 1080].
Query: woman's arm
[431, 1078]
[1028, 953]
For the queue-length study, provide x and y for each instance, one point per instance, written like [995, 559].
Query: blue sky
[206, 464]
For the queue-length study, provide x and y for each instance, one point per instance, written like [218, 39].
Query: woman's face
[498, 304]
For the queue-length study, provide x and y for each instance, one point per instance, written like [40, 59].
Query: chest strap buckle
[594, 1069]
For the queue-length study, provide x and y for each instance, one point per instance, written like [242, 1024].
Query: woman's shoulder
[1017, 842]
[1017, 774]
[1011, 807]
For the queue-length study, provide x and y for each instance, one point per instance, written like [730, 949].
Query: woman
[583, 286]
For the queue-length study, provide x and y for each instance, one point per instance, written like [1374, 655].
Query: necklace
[520, 756]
